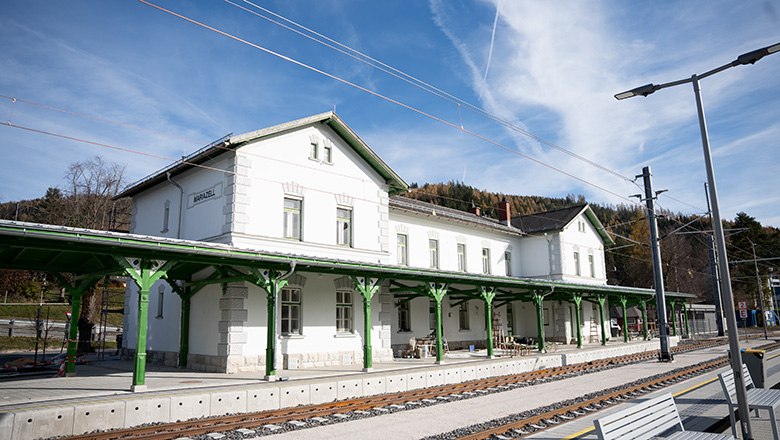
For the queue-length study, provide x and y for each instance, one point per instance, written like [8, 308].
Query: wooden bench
[649, 419]
[757, 398]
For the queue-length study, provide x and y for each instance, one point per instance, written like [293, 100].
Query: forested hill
[629, 263]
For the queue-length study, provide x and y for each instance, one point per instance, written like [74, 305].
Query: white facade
[306, 188]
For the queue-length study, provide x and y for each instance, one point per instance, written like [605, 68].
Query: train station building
[293, 247]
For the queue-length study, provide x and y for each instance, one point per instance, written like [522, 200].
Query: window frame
[486, 269]
[432, 314]
[288, 303]
[327, 153]
[592, 265]
[464, 323]
[160, 301]
[577, 270]
[508, 263]
[404, 317]
[341, 240]
[462, 260]
[402, 255]
[345, 306]
[289, 213]
[433, 253]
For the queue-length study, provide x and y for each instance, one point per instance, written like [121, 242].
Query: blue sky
[133, 77]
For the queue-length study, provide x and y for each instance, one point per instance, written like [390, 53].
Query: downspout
[181, 202]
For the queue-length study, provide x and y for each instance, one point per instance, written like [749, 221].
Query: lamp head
[642, 90]
[752, 57]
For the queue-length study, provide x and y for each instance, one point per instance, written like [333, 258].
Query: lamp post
[725, 279]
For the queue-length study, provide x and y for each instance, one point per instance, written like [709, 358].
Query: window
[508, 263]
[291, 312]
[581, 226]
[292, 218]
[592, 265]
[402, 250]
[486, 261]
[166, 215]
[463, 316]
[461, 257]
[577, 263]
[433, 251]
[160, 301]
[432, 314]
[344, 311]
[328, 153]
[314, 153]
[510, 320]
[344, 226]
[404, 317]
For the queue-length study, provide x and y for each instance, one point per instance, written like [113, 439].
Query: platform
[99, 397]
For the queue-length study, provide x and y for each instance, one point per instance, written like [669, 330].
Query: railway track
[269, 422]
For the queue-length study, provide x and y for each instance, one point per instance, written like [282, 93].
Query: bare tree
[90, 188]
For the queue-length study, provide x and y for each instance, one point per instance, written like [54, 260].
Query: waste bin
[754, 359]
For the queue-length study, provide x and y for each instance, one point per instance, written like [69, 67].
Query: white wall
[280, 167]
[419, 230]
[202, 219]
[586, 243]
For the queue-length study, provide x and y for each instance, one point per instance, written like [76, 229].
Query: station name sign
[205, 195]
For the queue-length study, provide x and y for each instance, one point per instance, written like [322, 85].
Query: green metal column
[272, 281]
[367, 287]
[145, 273]
[75, 292]
[437, 291]
[644, 319]
[538, 299]
[623, 301]
[601, 299]
[577, 300]
[673, 303]
[685, 317]
[184, 331]
[487, 295]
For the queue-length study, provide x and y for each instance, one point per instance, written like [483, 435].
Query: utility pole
[665, 355]
[713, 257]
[760, 290]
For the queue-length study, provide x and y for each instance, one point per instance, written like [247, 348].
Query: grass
[28, 312]
[25, 343]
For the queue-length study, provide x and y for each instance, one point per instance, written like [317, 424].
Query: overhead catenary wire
[384, 97]
[410, 79]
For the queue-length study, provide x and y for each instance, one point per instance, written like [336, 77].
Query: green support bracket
[673, 303]
[601, 299]
[76, 292]
[487, 295]
[538, 299]
[685, 317]
[437, 291]
[644, 319]
[576, 298]
[145, 273]
[623, 301]
[272, 281]
[367, 287]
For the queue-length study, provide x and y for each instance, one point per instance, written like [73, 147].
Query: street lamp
[725, 280]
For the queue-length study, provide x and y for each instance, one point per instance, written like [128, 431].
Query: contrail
[490, 51]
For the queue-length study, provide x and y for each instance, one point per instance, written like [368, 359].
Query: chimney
[504, 214]
[475, 209]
